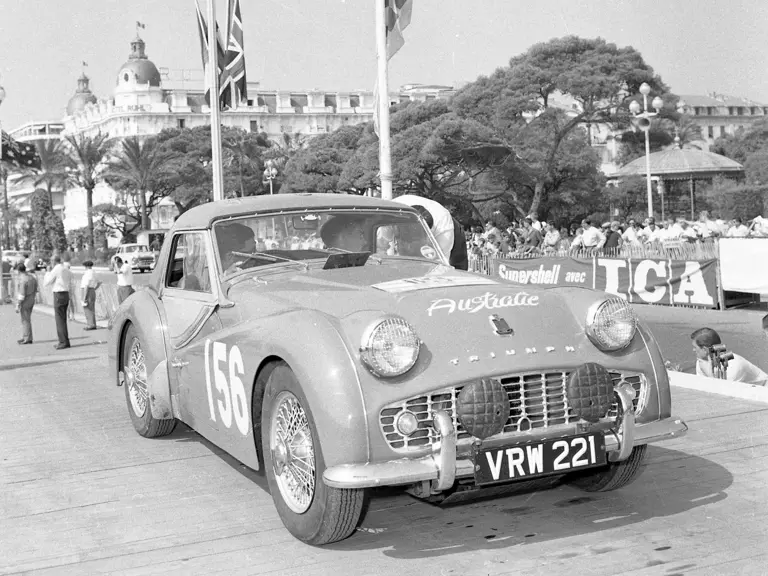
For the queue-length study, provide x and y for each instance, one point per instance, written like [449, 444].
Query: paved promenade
[82, 493]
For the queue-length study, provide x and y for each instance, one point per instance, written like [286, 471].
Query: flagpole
[385, 160]
[213, 70]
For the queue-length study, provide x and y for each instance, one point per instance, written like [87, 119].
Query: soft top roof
[204, 215]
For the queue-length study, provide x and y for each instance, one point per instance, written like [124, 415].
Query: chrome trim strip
[197, 324]
[408, 471]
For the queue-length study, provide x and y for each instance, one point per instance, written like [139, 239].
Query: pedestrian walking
[60, 278]
[88, 287]
[26, 291]
[124, 279]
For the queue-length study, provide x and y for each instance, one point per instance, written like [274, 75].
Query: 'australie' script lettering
[488, 301]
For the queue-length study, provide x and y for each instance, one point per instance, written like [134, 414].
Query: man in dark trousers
[60, 279]
[26, 291]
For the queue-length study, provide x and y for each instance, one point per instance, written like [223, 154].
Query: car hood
[434, 299]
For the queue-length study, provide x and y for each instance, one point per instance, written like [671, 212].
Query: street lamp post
[644, 122]
[270, 173]
[4, 178]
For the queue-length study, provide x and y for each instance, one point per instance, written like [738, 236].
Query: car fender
[310, 343]
[141, 310]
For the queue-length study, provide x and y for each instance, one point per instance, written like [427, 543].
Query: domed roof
[138, 69]
[82, 96]
[682, 162]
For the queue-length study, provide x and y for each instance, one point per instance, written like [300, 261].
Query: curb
[79, 318]
[720, 387]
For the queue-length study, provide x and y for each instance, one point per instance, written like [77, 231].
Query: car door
[190, 299]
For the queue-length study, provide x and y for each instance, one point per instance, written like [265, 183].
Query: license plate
[534, 459]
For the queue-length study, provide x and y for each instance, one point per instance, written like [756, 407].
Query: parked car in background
[325, 340]
[14, 257]
[139, 256]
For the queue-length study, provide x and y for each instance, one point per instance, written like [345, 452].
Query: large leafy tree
[244, 154]
[88, 155]
[318, 166]
[141, 169]
[55, 170]
[523, 102]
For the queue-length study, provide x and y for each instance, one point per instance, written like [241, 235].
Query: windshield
[135, 248]
[306, 236]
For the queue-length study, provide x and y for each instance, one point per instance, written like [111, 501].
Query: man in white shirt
[124, 279]
[60, 278]
[442, 221]
[592, 237]
[739, 369]
[88, 286]
[738, 230]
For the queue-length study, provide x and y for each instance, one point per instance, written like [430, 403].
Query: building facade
[721, 115]
[147, 99]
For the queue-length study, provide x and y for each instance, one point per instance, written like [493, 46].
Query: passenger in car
[346, 232]
[234, 237]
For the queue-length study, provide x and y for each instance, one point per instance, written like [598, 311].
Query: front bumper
[444, 468]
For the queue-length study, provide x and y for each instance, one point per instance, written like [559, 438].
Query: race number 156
[231, 402]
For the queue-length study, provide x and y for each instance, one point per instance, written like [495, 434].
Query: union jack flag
[19, 154]
[224, 85]
[235, 68]
[398, 16]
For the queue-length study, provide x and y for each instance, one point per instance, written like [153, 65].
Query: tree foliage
[141, 170]
[521, 102]
[48, 229]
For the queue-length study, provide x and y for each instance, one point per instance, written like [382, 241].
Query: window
[711, 131]
[254, 125]
[181, 123]
[354, 101]
[722, 131]
[188, 265]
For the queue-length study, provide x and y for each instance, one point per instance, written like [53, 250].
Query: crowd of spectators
[530, 236]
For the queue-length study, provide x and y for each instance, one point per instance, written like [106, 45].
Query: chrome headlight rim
[367, 349]
[600, 308]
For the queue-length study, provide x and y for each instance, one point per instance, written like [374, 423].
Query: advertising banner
[742, 264]
[640, 281]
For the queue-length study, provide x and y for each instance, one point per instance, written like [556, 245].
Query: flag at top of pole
[235, 58]
[392, 17]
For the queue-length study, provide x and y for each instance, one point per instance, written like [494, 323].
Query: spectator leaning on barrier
[26, 291]
[592, 238]
[59, 278]
[738, 230]
[739, 369]
[88, 286]
[613, 239]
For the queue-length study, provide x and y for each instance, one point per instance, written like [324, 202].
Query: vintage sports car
[324, 340]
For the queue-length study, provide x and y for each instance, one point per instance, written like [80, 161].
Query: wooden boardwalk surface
[81, 493]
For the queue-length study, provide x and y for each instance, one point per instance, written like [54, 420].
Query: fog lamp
[406, 423]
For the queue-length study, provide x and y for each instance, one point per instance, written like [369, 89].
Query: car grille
[536, 400]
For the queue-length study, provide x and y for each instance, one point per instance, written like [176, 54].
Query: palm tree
[88, 155]
[54, 171]
[243, 150]
[141, 164]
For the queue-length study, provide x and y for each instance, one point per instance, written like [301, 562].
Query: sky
[697, 46]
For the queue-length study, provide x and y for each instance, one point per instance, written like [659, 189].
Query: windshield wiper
[272, 257]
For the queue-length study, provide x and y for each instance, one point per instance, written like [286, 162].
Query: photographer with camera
[714, 361]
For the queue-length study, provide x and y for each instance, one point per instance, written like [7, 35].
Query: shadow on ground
[672, 483]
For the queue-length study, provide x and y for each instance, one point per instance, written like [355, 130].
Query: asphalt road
[82, 493]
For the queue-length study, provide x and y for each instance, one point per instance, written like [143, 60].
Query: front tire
[616, 475]
[293, 462]
[135, 379]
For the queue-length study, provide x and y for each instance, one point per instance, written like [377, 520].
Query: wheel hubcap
[293, 453]
[136, 379]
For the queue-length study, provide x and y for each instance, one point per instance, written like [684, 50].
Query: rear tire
[616, 475]
[137, 392]
[293, 462]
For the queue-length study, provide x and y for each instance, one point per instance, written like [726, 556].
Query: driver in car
[346, 232]
[231, 238]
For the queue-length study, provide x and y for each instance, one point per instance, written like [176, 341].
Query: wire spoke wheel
[293, 453]
[136, 379]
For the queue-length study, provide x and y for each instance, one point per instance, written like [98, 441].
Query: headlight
[611, 324]
[390, 347]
